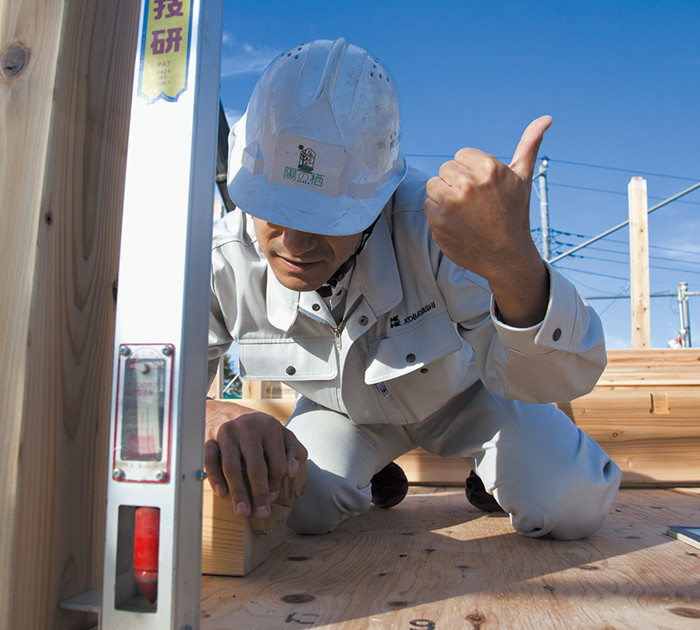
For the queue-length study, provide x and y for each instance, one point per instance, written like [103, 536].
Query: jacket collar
[376, 277]
[376, 273]
[282, 303]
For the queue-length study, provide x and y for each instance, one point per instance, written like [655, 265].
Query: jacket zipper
[337, 330]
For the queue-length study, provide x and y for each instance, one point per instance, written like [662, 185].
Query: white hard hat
[318, 147]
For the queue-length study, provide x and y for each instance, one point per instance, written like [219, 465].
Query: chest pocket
[402, 353]
[287, 360]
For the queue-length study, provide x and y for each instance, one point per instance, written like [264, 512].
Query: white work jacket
[417, 329]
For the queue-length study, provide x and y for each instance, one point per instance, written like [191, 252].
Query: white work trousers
[543, 470]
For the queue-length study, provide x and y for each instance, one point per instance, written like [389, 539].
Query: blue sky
[621, 79]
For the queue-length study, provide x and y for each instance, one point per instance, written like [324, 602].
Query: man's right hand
[248, 453]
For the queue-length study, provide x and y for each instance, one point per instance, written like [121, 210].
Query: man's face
[303, 261]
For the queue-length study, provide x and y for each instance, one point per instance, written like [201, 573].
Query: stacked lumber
[644, 411]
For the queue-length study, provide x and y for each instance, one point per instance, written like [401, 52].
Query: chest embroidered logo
[414, 316]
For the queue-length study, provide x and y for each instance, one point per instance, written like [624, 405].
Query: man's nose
[298, 243]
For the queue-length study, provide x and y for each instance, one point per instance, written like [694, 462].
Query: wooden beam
[25, 112]
[253, 389]
[234, 546]
[639, 262]
[65, 92]
[643, 412]
[216, 389]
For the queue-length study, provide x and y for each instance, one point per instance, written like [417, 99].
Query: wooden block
[423, 468]
[234, 546]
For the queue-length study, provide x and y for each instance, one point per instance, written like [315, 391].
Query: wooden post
[253, 389]
[639, 262]
[66, 71]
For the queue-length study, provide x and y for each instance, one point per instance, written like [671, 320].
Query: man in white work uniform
[405, 311]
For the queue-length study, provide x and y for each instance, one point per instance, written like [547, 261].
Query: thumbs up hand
[479, 211]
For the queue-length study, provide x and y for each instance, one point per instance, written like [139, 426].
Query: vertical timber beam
[66, 71]
[639, 262]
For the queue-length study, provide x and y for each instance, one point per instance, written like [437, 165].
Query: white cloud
[246, 59]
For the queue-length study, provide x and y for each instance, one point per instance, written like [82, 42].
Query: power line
[450, 156]
[652, 267]
[595, 273]
[609, 192]
[668, 249]
[625, 253]
[651, 257]
[623, 170]
[588, 286]
[624, 223]
[627, 297]
[676, 269]
[626, 243]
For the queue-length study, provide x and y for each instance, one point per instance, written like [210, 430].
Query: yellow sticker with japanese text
[165, 45]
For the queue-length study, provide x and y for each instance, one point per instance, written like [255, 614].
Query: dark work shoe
[477, 495]
[389, 486]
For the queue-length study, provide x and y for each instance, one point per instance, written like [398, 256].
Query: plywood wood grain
[436, 562]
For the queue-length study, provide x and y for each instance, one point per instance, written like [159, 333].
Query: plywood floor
[435, 562]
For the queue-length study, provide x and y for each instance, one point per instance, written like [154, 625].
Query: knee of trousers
[570, 507]
[327, 501]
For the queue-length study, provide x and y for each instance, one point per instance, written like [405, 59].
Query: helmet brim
[309, 211]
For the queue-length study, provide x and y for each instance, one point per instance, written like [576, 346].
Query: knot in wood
[14, 60]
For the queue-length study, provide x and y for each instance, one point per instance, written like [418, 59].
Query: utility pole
[639, 262]
[684, 314]
[544, 208]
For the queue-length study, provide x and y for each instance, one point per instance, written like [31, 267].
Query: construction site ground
[436, 562]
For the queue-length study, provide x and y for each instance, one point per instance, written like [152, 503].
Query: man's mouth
[297, 265]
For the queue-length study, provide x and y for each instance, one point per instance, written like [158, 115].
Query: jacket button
[556, 334]
[363, 321]
[410, 357]
[424, 370]
[316, 307]
[291, 370]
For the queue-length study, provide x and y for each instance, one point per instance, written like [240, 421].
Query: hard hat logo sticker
[307, 157]
[304, 171]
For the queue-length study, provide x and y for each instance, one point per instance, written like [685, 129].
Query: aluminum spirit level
[154, 496]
